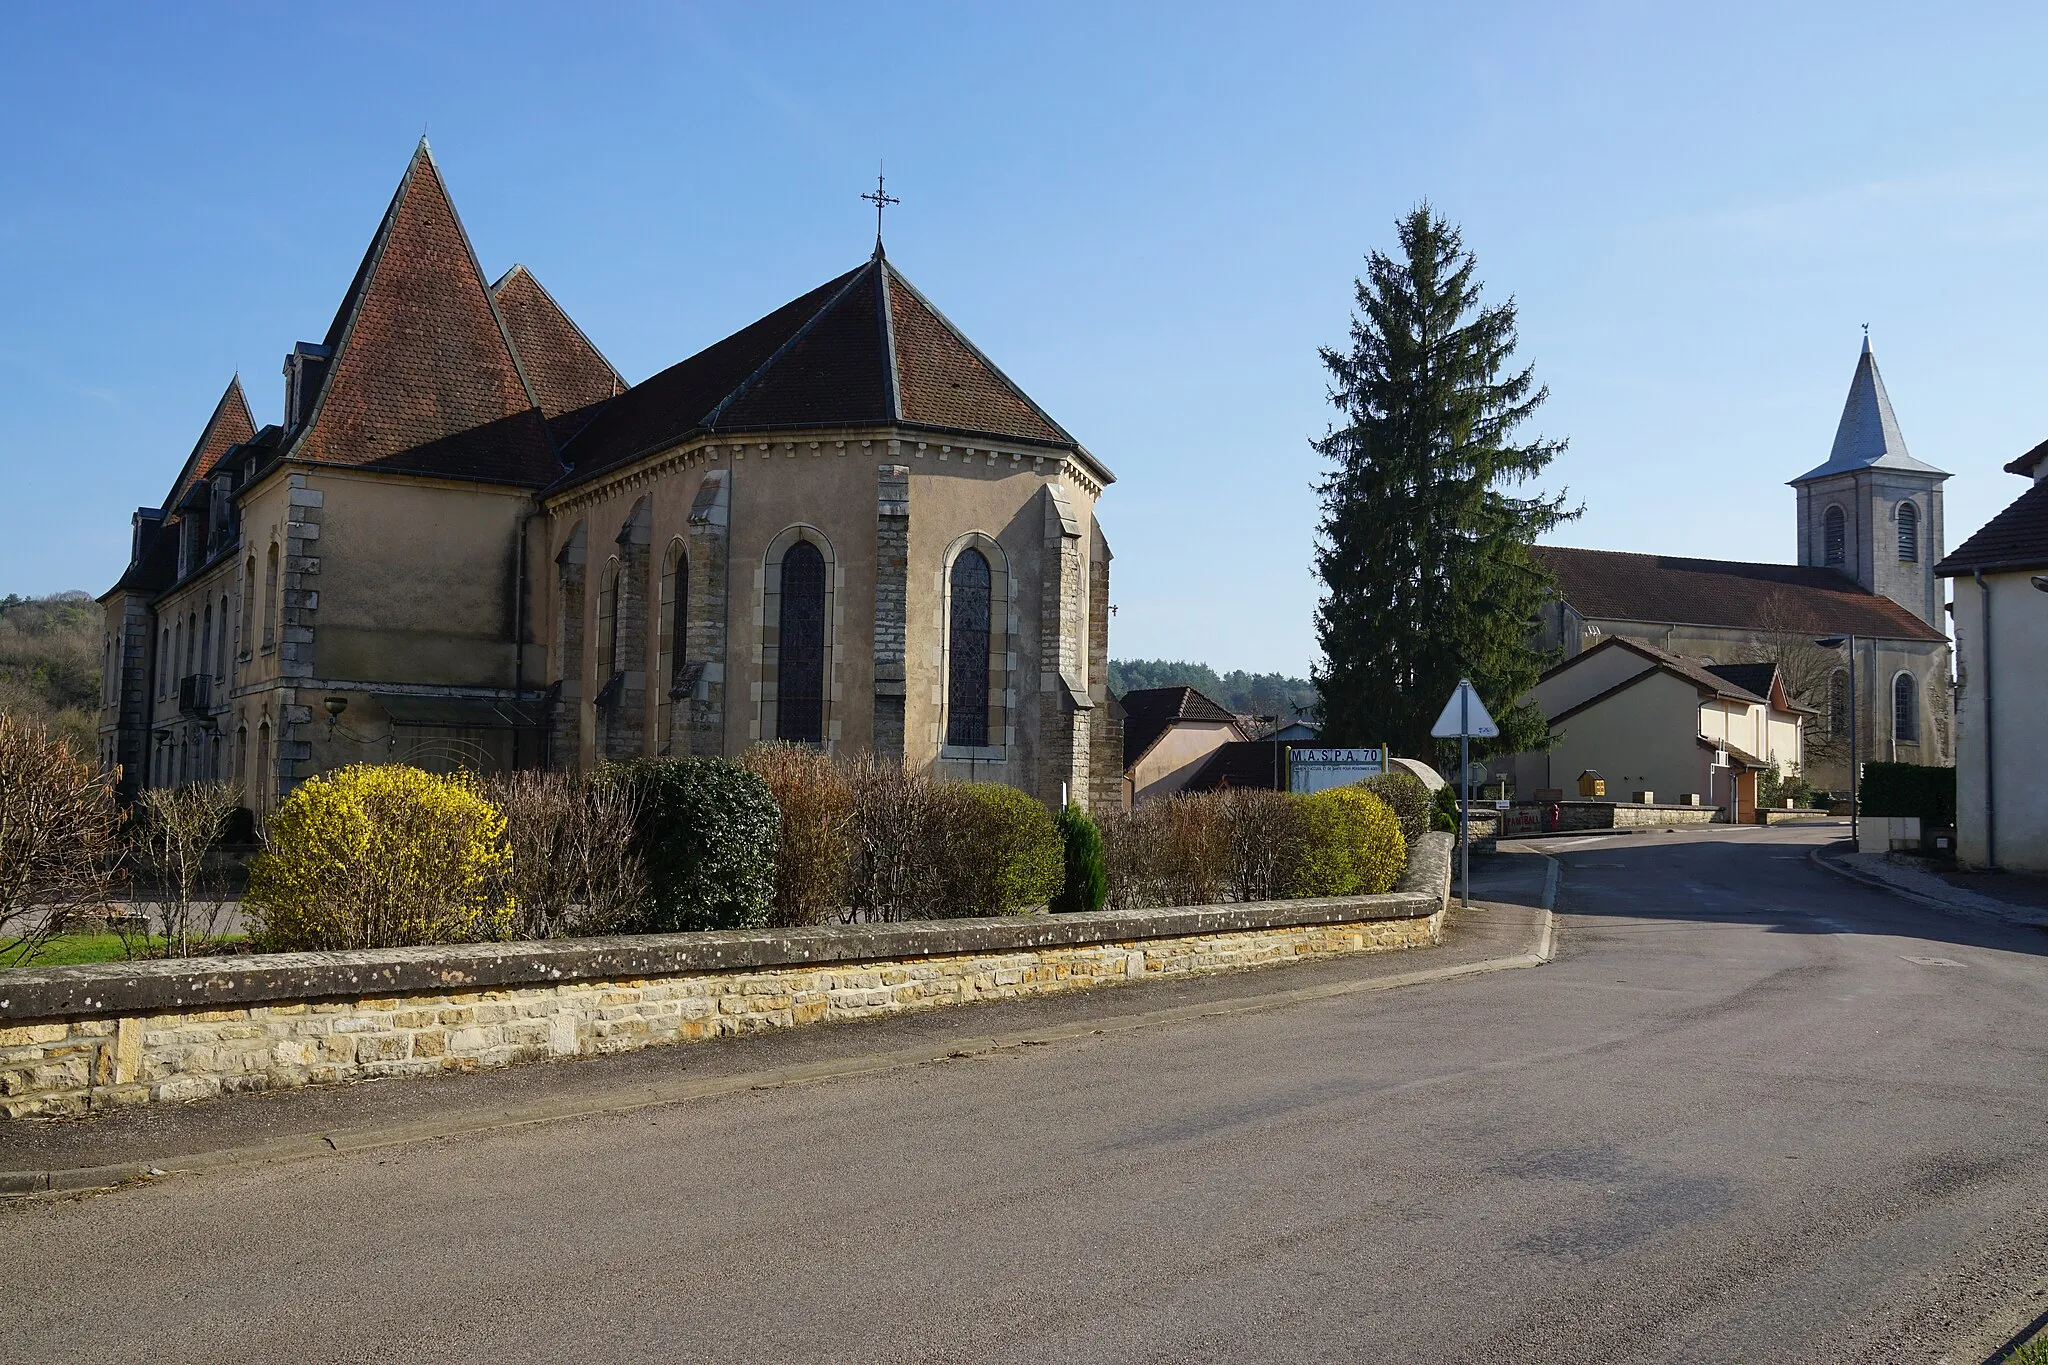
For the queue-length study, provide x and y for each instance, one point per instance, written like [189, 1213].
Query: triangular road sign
[1464, 715]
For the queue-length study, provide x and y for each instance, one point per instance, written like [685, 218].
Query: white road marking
[1932, 961]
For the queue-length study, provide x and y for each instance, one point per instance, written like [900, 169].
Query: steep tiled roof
[2029, 462]
[1150, 712]
[229, 425]
[862, 350]
[1616, 586]
[424, 378]
[1707, 678]
[566, 371]
[2016, 538]
[156, 570]
[1868, 435]
[1754, 679]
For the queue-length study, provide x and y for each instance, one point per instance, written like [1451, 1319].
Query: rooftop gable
[2015, 539]
[424, 377]
[567, 372]
[229, 426]
[1149, 712]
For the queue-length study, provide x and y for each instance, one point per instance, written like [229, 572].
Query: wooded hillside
[50, 663]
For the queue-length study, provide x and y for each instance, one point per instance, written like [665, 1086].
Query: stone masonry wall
[74, 1040]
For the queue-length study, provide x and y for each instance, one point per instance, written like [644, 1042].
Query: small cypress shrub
[1085, 884]
[1354, 845]
[1443, 810]
[1407, 797]
[706, 834]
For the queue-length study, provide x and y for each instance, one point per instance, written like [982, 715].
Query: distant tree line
[1248, 694]
[50, 664]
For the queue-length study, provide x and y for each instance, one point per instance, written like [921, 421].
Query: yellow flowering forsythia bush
[1353, 845]
[380, 856]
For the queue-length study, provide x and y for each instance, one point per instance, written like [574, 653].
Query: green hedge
[1407, 797]
[1898, 789]
[707, 836]
[1010, 854]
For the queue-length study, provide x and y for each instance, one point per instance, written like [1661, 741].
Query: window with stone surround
[273, 607]
[1906, 709]
[800, 647]
[967, 662]
[248, 606]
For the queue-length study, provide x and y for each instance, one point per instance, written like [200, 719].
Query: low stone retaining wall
[1532, 818]
[78, 1039]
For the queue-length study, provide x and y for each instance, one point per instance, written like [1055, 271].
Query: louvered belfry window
[800, 647]
[1835, 540]
[1909, 533]
[967, 661]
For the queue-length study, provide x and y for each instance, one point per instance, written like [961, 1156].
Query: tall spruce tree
[1424, 547]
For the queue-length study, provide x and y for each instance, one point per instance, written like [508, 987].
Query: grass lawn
[2034, 1352]
[69, 949]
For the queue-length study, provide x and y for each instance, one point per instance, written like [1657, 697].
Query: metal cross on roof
[881, 199]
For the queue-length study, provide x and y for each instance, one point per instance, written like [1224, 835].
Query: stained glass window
[967, 666]
[800, 655]
[1905, 708]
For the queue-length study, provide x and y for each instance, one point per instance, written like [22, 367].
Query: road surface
[1751, 1113]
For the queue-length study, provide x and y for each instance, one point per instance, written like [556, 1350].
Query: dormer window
[302, 371]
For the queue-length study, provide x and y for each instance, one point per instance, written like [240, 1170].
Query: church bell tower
[1873, 512]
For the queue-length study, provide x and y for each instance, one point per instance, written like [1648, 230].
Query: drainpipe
[1990, 748]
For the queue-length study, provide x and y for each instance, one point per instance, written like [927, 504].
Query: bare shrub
[174, 837]
[1197, 848]
[574, 870]
[1264, 833]
[816, 848]
[894, 822]
[1130, 853]
[59, 835]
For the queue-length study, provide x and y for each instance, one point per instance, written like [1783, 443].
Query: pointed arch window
[1905, 709]
[1909, 533]
[675, 631]
[271, 606]
[1838, 702]
[800, 652]
[220, 662]
[607, 629]
[967, 651]
[1835, 538]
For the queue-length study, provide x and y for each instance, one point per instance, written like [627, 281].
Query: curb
[50, 1184]
[2018, 919]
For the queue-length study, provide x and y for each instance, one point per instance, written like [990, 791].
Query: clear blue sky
[1150, 217]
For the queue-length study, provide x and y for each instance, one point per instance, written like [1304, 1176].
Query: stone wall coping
[142, 988]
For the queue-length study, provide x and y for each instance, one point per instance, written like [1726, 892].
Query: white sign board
[1314, 770]
[1464, 716]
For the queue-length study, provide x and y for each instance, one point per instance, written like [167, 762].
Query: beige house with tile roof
[469, 542]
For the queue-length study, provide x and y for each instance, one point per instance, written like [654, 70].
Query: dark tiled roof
[1615, 586]
[424, 378]
[1150, 712]
[230, 425]
[156, 570]
[567, 372]
[2016, 538]
[1245, 763]
[1708, 678]
[2027, 463]
[1754, 679]
[863, 350]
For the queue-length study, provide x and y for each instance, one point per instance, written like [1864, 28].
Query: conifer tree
[1424, 544]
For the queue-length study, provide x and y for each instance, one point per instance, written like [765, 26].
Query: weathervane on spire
[881, 199]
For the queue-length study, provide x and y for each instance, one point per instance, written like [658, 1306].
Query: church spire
[1868, 436]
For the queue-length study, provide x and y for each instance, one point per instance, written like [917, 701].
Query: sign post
[1465, 719]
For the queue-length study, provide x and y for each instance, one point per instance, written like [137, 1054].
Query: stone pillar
[625, 723]
[892, 606]
[566, 747]
[702, 679]
[1064, 705]
[292, 744]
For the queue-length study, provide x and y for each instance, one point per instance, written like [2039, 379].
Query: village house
[2001, 623]
[468, 541]
[1869, 524]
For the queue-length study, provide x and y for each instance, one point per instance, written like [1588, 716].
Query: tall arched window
[967, 651]
[1909, 533]
[164, 665]
[191, 642]
[800, 647]
[270, 600]
[675, 631]
[206, 640]
[248, 607]
[1905, 709]
[261, 782]
[1838, 702]
[1835, 538]
[220, 658]
[608, 625]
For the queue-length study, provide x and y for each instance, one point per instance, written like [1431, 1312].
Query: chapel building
[469, 542]
[1869, 536]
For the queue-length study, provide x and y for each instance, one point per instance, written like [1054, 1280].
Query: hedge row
[1897, 789]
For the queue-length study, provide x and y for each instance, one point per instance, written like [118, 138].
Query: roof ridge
[710, 421]
[519, 268]
[189, 467]
[977, 353]
[476, 268]
[886, 306]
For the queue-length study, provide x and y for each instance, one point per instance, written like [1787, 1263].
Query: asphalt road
[1750, 1113]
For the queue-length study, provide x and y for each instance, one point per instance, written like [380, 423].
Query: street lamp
[1836, 642]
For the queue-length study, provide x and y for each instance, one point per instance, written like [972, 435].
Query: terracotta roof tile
[945, 382]
[566, 371]
[229, 426]
[2016, 538]
[424, 378]
[1150, 711]
[1616, 586]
